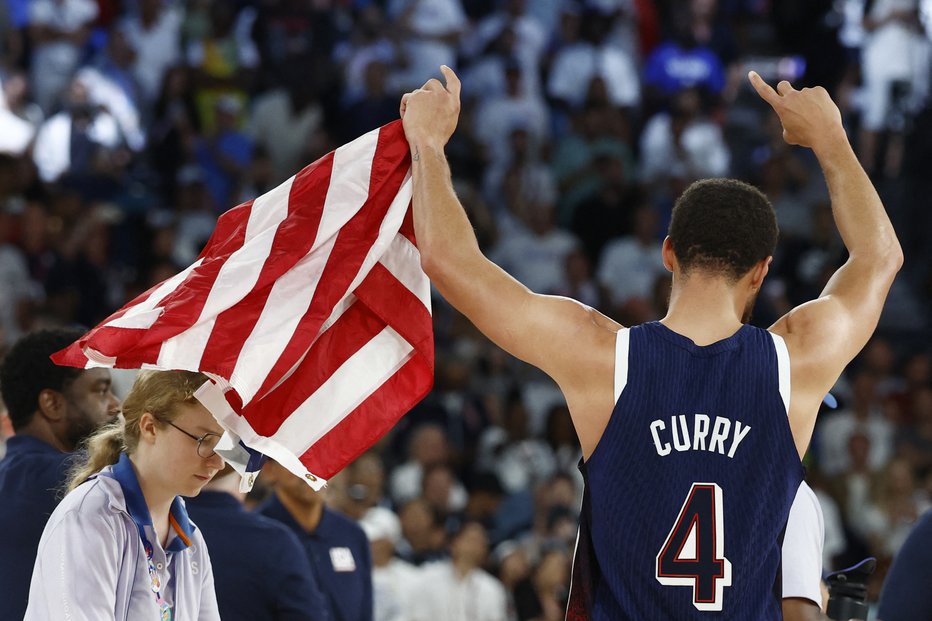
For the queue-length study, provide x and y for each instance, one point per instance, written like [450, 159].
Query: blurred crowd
[128, 126]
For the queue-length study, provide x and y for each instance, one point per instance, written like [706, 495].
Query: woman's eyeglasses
[206, 444]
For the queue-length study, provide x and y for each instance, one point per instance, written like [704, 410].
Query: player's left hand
[430, 113]
[809, 116]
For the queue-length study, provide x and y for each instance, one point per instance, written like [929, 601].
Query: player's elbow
[890, 260]
[883, 260]
[896, 257]
[432, 264]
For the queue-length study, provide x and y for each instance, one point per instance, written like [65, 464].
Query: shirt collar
[274, 508]
[23, 443]
[125, 475]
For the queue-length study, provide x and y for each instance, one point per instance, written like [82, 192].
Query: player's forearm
[445, 237]
[859, 213]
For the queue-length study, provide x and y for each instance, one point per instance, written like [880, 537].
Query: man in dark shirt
[906, 594]
[52, 410]
[260, 570]
[335, 545]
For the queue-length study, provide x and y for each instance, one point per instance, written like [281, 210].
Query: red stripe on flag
[356, 327]
[182, 307]
[390, 166]
[362, 427]
[293, 240]
[398, 307]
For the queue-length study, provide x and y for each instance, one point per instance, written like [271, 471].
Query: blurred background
[128, 126]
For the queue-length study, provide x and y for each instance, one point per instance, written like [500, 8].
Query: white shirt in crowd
[837, 429]
[476, 597]
[424, 50]
[395, 587]
[628, 269]
[538, 261]
[52, 150]
[157, 48]
[575, 66]
[704, 152]
[53, 62]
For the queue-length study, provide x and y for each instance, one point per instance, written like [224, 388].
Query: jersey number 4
[693, 554]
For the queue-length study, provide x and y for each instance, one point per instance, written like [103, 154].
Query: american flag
[308, 309]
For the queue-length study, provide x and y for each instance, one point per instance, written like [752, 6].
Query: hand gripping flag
[308, 310]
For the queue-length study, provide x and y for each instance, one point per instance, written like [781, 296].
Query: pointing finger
[763, 89]
[453, 82]
[432, 84]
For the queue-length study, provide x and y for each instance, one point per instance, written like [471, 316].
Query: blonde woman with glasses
[120, 545]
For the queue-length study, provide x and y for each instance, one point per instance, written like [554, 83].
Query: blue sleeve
[906, 594]
[299, 595]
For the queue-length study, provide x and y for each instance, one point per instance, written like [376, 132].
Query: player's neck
[705, 309]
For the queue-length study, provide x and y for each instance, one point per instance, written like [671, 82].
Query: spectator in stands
[71, 141]
[58, 30]
[154, 32]
[395, 582]
[460, 590]
[335, 545]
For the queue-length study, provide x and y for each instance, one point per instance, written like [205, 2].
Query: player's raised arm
[568, 340]
[824, 335]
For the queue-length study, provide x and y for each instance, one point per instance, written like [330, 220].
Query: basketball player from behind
[692, 428]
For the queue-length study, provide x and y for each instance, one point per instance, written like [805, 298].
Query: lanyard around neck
[165, 609]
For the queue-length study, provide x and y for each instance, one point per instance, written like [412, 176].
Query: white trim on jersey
[802, 547]
[783, 366]
[621, 361]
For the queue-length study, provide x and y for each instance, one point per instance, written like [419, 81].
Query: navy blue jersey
[690, 486]
[31, 475]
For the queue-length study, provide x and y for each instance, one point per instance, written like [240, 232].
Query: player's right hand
[430, 113]
[810, 118]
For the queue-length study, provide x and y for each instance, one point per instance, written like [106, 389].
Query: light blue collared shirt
[92, 564]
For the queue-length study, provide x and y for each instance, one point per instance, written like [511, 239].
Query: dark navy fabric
[261, 572]
[906, 594]
[31, 475]
[644, 475]
[339, 553]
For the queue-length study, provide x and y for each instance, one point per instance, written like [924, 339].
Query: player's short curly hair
[27, 371]
[724, 226]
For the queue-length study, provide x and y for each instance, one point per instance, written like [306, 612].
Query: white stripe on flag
[289, 299]
[237, 277]
[211, 396]
[349, 185]
[292, 294]
[351, 384]
[144, 314]
[403, 260]
[388, 229]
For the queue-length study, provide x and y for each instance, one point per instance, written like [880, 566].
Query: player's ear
[759, 272]
[669, 257]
